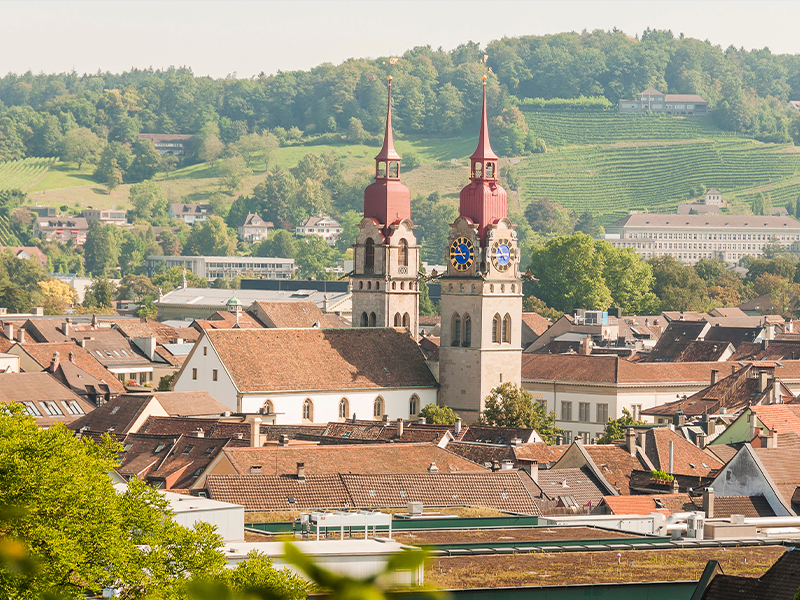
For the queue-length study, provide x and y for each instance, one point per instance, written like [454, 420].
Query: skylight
[188, 449]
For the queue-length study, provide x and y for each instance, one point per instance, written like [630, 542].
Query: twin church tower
[481, 305]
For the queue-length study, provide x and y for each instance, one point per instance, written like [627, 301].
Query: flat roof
[526, 534]
[351, 547]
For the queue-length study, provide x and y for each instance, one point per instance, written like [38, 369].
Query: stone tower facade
[481, 345]
[386, 260]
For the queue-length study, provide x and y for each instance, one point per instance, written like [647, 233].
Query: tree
[172, 278]
[80, 145]
[355, 131]
[678, 286]
[249, 146]
[629, 279]
[211, 238]
[114, 163]
[438, 415]
[773, 249]
[256, 577]
[15, 298]
[615, 429]
[101, 249]
[146, 161]
[100, 295]
[279, 244]
[170, 244]
[541, 215]
[534, 304]
[148, 204]
[510, 406]
[588, 225]
[58, 295]
[233, 172]
[81, 533]
[210, 149]
[136, 288]
[314, 258]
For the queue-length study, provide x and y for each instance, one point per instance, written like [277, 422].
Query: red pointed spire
[388, 152]
[484, 150]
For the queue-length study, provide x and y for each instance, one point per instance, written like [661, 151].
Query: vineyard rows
[21, 174]
[612, 181]
[581, 128]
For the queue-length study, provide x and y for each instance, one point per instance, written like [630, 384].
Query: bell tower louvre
[481, 344]
[386, 255]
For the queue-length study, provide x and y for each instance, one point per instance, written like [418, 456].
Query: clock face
[503, 255]
[461, 253]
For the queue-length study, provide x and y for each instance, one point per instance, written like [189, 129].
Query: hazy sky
[248, 37]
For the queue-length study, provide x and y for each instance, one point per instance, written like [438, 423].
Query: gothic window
[467, 331]
[507, 329]
[513, 287]
[373, 320]
[364, 320]
[456, 330]
[397, 319]
[377, 407]
[402, 258]
[413, 405]
[344, 408]
[406, 320]
[496, 326]
[402, 285]
[268, 407]
[308, 410]
[369, 254]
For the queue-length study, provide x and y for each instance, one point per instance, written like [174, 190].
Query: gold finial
[390, 78]
[484, 79]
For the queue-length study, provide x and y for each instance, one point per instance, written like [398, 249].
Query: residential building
[597, 325]
[106, 216]
[690, 238]
[190, 213]
[780, 582]
[227, 267]
[385, 280]
[43, 211]
[311, 375]
[43, 397]
[481, 305]
[533, 326]
[28, 252]
[651, 100]
[170, 144]
[254, 229]
[324, 227]
[757, 423]
[282, 315]
[61, 229]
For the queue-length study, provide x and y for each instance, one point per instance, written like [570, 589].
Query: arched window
[369, 285]
[402, 257]
[377, 285]
[397, 319]
[268, 408]
[364, 320]
[308, 410]
[413, 405]
[406, 320]
[507, 328]
[361, 285]
[394, 285]
[377, 408]
[369, 255]
[402, 285]
[467, 331]
[456, 330]
[344, 408]
[372, 320]
[497, 325]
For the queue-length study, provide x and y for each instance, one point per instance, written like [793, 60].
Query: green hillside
[21, 174]
[609, 164]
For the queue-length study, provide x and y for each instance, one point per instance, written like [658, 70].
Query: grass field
[22, 174]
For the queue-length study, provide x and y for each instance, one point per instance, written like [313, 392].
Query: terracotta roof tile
[781, 466]
[43, 354]
[369, 459]
[268, 492]
[665, 504]
[576, 482]
[536, 322]
[749, 506]
[34, 389]
[317, 359]
[615, 464]
[780, 582]
[688, 459]
[287, 314]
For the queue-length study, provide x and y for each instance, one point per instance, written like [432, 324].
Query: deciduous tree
[438, 415]
[615, 429]
[510, 406]
[101, 249]
[211, 237]
[80, 145]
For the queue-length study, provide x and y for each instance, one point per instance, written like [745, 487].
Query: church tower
[386, 260]
[481, 344]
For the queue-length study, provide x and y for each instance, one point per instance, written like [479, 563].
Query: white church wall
[205, 360]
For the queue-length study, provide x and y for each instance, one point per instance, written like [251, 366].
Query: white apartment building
[690, 238]
[327, 228]
[212, 267]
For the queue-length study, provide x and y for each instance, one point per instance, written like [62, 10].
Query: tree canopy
[510, 406]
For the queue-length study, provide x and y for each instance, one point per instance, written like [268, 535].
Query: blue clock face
[461, 253]
[503, 254]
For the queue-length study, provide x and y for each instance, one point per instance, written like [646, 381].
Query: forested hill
[435, 92]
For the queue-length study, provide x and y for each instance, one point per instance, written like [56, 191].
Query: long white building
[212, 267]
[690, 238]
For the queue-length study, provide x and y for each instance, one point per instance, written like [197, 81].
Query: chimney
[433, 468]
[585, 347]
[671, 457]
[710, 426]
[301, 471]
[8, 329]
[147, 345]
[674, 487]
[774, 438]
[776, 391]
[458, 426]
[535, 470]
[72, 357]
[198, 433]
[559, 440]
[54, 362]
[495, 466]
[83, 342]
[714, 375]
[283, 440]
[385, 419]
[701, 440]
[399, 427]
[21, 335]
[66, 328]
[754, 430]
[37, 311]
[708, 502]
[94, 321]
[641, 438]
[354, 417]
[255, 433]
[630, 441]
[516, 441]
[422, 421]
[679, 419]
[762, 381]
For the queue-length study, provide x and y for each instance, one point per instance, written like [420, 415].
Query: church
[376, 369]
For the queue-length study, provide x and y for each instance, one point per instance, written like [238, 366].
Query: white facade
[325, 227]
[213, 267]
[203, 370]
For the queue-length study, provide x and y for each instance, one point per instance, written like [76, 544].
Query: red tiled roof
[318, 359]
[305, 313]
[780, 582]
[615, 464]
[43, 354]
[536, 322]
[781, 466]
[36, 388]
[665, 504]
[576, 482]
[369, 459]
[685, 454]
